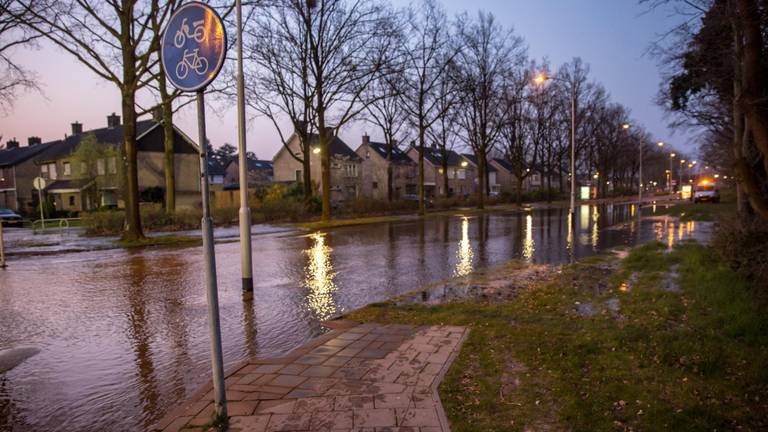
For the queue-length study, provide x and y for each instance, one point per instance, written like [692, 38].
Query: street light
[540, 79]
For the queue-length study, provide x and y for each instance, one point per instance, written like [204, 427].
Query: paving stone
[348, 352]
[374, 417]
[319, 371]
[417, 417]
[268, 368]
[255, 423]
[314, 404]
[353, 402]
[318, 384]
[395, 400]
[289, 422]
[287, 380]
[241, 408]
[293, 369]
[350, 372]
[261, 395]
[276, 406]
[350, 336]
[332, 420]
[312, 359]
[326, 350]
[249, 378]
[177, 424]
[336, 361]
[303, 393]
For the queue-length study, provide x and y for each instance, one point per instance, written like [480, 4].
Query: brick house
[508, 180]
[493, 184]
[85, 185]
[461, 174]
[345, 167]
[260, 172]
[375, 166]
[17, 171]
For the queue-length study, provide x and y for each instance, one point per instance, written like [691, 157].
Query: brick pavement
[361, 378]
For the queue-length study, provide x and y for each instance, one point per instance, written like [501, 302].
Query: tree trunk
[390, 171]
[169, 153]
[422, 207]
[133, 230]
[325, 166]
[446, 192]
[481, 177]
[519, 190]
[306, 166]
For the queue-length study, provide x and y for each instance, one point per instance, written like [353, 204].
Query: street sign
[38, 183]
[193, 46]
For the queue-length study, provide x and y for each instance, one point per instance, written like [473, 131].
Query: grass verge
[170, 240]
[669, 341]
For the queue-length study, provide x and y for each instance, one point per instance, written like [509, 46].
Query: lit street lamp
[540, 79]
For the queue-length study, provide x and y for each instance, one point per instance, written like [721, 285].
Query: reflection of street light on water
[528, 245]
[319, 278]
[465, 254]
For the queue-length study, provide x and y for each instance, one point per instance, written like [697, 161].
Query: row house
[462, 173]
[17, 172]
[260, 172]
[85, 178]
[375, 168]
[345, 166]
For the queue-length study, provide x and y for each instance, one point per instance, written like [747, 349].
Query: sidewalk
[365, 378]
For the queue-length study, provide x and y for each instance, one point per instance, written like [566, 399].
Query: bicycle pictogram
[180, 38]
[193, 61]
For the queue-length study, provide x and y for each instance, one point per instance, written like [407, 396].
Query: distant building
[461, 174]
[79, 185]
[217, 173]
[260, 172]
[493, 185]
[345, 167]
[375, 167]
[17, 171]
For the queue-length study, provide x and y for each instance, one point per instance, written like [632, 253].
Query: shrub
[107, 222]
[743, 244]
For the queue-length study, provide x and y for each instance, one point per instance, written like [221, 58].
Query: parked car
[9, 218]
[705, 191]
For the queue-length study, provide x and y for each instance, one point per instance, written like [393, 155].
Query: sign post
[39, 184]
[192, 53]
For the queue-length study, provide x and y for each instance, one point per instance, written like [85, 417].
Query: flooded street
[123, 334]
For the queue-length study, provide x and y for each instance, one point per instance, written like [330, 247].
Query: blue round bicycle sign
[193, 46]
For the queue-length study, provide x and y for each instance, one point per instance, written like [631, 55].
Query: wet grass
[170, 240]
[687, 210]
[687, 361]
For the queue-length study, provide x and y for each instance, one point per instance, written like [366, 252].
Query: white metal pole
[573, 152]
[217, 364]
[2, 247]
[42, 215]
[246, 261]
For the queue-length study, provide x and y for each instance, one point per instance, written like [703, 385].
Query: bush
[108, 222]
[743, 244]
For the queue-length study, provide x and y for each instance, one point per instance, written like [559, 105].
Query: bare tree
[14, 34]
[443, 133]
[485, 63]
[518, 149]
[115, 40]
[429, 53]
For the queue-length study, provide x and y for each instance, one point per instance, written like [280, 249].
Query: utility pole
[246, 260]
[573, 152]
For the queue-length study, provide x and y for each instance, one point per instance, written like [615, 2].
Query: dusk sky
[612, 36]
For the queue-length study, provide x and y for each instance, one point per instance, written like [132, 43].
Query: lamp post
[540, 80]
[669, 178]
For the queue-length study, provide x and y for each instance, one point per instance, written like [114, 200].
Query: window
[367, 154]
[298, 176]
[112, 165]
[71, 200]
[375, 185]
[44, 171]
[350, 170]
[67, 169]
[462, 174]
[2, 175]
[52, 170]
[100, 167]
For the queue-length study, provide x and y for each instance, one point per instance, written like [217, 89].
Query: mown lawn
[610, 345]
[706, 211]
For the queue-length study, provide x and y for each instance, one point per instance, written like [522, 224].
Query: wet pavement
[123, 336]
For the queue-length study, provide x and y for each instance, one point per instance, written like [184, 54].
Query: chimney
[113, 121]
[77, 128]
[366, 139]
[34, 140]
[12, 144]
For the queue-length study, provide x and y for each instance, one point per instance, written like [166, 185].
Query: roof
[338, 147]
[67, 185]
[216, 168]
[15, 156]
[398, 155]
[148, 133]
[257, 164]
[473, 159]
[435, 157]
[504, 163]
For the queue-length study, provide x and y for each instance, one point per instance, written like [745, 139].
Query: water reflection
[249, 324]
[320, 278]
[529, 246]
[465, 254]
[595, 232]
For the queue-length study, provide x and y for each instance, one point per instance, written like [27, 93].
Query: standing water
[122, 335]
